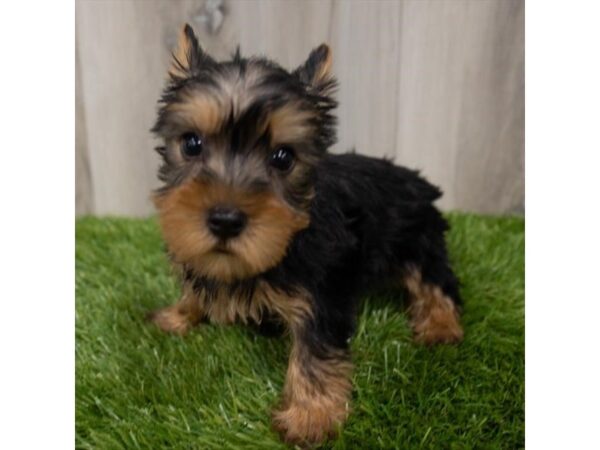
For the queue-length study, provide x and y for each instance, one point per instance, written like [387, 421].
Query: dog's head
[241, 141]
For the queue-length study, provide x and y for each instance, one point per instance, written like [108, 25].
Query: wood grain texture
[84, 195]
[436, 84]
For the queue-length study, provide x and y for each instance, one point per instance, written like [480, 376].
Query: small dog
[268, 228]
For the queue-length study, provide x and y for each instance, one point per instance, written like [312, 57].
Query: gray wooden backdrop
[436, 84]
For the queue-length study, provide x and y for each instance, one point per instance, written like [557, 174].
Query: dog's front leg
[317, 389]
[181, 316]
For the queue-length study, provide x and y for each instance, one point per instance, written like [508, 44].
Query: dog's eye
[191, 144]
[282, 159]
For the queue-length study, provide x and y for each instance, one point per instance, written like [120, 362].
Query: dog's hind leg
[433, 304]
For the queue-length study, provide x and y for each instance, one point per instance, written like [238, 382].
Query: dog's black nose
[226, 222]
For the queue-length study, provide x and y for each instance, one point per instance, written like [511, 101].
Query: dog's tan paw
[171, 320]
[308, 425]
[440, 326]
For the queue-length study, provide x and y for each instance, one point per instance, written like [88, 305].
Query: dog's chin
[222, 249]
[223, 264]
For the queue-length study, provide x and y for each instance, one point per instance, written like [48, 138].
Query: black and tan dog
[266, 227]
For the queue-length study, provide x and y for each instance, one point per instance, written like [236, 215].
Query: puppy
[266, 227]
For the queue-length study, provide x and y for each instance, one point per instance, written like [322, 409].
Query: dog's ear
[188, 56]
[316, 70]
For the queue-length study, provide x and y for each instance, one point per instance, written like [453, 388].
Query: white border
[37, 233]
[563, 224]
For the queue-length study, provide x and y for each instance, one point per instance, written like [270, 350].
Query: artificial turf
[214, 388]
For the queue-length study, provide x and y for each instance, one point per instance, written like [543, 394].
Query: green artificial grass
[214, 388]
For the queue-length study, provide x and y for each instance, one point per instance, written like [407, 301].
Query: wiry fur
[317, 237]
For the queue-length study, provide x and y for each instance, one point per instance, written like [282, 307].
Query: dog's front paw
[309, 424]
[171, 320]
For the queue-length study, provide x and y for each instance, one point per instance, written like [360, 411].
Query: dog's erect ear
[188, 56]
[316, 71]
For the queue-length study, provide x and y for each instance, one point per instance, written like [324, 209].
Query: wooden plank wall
[436, 84]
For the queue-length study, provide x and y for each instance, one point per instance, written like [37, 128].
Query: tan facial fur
[262, 245]
[201, 111]
[206, 111]
[433, 316]
[289, 124]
